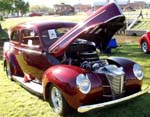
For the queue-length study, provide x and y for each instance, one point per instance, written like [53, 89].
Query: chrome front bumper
[86, 108]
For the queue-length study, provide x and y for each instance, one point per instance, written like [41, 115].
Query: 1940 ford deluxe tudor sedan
[59, 61]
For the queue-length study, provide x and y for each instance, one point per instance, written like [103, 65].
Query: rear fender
[147, 39]
[11, 59]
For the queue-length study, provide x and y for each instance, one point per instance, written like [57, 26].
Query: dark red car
[145, 42]
[59, 61]
[34, 14]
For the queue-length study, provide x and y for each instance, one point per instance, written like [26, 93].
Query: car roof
[43, 23]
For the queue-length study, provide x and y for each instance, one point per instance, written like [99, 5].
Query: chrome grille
[116, 84]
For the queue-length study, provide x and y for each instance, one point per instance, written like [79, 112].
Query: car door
[32, 60]
[13, 51]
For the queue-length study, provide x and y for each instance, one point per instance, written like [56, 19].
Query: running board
[31, 86]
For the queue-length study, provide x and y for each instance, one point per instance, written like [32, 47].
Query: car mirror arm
[43, 52]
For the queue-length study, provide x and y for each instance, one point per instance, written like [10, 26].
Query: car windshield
[49, 36]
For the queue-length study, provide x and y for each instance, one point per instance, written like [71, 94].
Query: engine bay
[83, 53]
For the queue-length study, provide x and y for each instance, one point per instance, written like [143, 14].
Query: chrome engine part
[93, 65]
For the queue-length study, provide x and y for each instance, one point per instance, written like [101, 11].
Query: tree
[5, 6]
[21, 7]
[25, 8]
[13, 6]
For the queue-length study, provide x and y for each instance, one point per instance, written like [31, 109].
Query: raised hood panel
[99, 28]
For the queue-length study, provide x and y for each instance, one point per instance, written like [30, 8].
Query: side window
[49, 36]
[30, 37]
[15, 35]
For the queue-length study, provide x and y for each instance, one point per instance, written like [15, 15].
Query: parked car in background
[34, 14]
[58, 60]
[145, 42]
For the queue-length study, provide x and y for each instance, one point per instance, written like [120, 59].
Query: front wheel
[57, 101]
[144, 47]
[8, 70]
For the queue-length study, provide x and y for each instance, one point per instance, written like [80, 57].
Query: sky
[72, 2]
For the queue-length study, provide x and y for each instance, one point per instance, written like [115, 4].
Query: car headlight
[138, 71]
[83, 83]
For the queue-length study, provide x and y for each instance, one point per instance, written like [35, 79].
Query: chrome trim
[107, 95]
[122, 84]
[107, 86]
[89, 58]
[117, 85]
[86, 108]
[88, 53]
[28, 50]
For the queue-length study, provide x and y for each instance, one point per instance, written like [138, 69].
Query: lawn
[15, 101]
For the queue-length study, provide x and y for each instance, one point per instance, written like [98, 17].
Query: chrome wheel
[144, 47]
[56, 99]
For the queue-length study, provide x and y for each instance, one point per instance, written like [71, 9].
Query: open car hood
[99, 28]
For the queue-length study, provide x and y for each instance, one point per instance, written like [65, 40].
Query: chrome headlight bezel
[137, 70]
[83, 83]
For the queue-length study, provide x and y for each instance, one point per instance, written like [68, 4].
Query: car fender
[132, 83]
[64, 77]
[127, 65]
[145, 37]
[10, 57]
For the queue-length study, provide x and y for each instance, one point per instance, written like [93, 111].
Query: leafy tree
[13, 6]
[21, 6]
[5, 6]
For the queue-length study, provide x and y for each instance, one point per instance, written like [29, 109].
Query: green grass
[16, 101]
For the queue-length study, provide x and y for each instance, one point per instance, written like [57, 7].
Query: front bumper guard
[86, 108]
